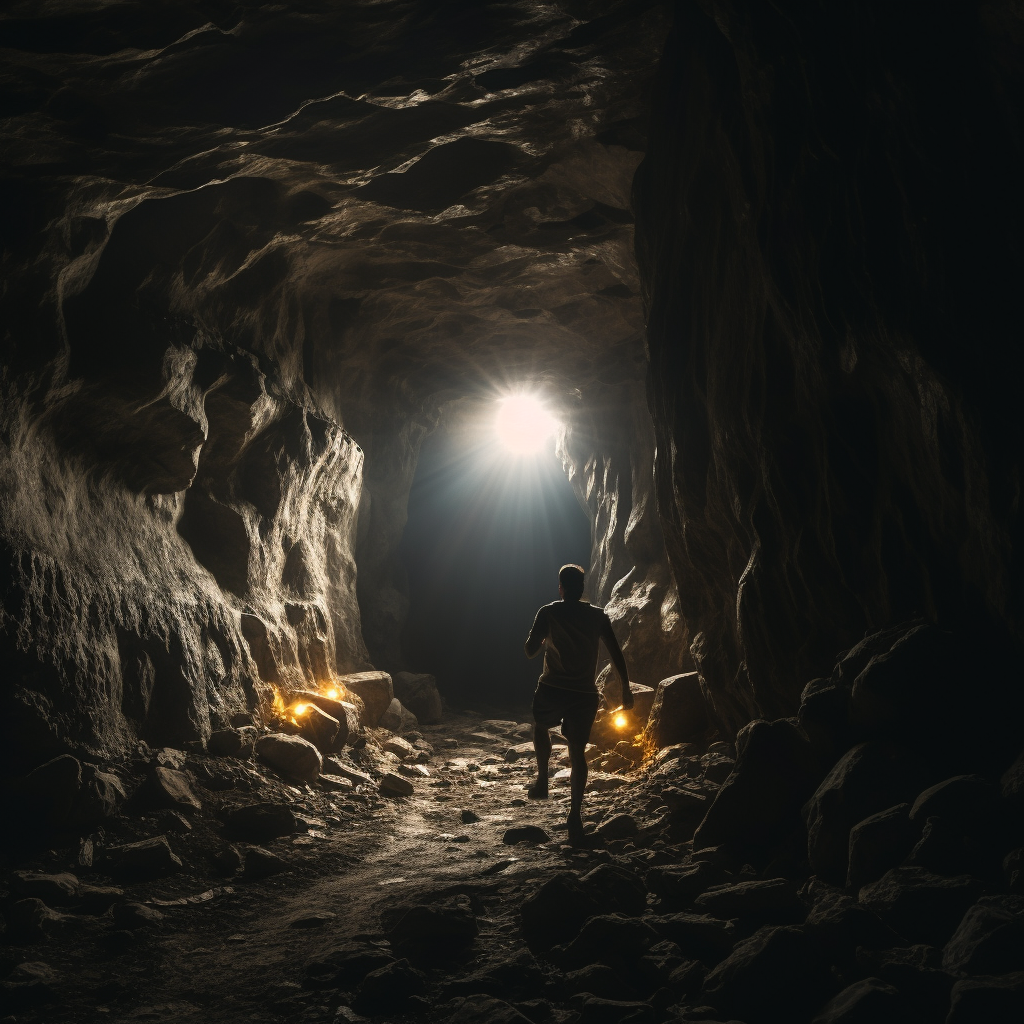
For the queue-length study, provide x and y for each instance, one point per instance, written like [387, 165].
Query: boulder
[877, 843]
[55, 889]
[678, 711]
[525, 834]
[773, 901]
[232, 742]
[681, 884]
[989, 939]
[610, 939]
[261, 821]
[375, 690]
[389, 988]
[290, 755]
[320, 728]
[699, 936]
[868, 1001]
[395, 785]
[346, 965]
[260, 863]
[148, 858]
[920, 906]
[945, 849]
[987, 1000]
[616, 889]
[167, 787]
[438, 930]
[842, 925]
[98, 899]
[399, 747]
[556, 911]
[31, 920]
[398, 718]
[916, 972]
[969, 801]
[485, 1009]
[101, 796]
[868, 778]
[418, 692]
[776, 967]
[353, 775]
[759, 803]
[687, 805]
[822, 717]
[619, 826]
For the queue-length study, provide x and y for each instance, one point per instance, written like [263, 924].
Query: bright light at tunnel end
[523, 424]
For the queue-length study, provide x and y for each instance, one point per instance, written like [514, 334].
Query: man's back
[572, 630]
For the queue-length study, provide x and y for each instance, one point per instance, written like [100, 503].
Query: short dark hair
[570, 578]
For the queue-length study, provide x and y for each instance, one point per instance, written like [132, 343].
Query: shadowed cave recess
[763, 263]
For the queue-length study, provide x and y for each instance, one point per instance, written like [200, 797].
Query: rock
[759, 803]
[869, 1001]
[920, 906]
[49, 791]
[130, 916]
[987, 1000]
[319, 728]
[775, 967]
[774, 900]
[311, 918]
[438, 930]
[595, 1010]
[718, 770]
[167, 787]
[28, 985]
[346, 965]
[619, 826]
[867, 779]
[945, 850]
[681, 884]
[335, 782]
[418, 692]
[687, 806]
[468, 817]
[396, 745]
[688, 978]
[229, 859]
[232, 742]
[260, 863]
[989, 939]
[100, 797]
[556, 911]
[291, 755]
[616, 889]
[877, 843]
[375, 690]
[173, 821]
[598, 980]
[388, 988]
[915, 972]
[610, 939]
[31, 920]
[678, 711]
[1011, 785]
[822, 717]
[700, 936]
[398, 718]
[525, 834]
[356, 777]
[841, 925]
[449, 743]
[394, 785]
[518, 750]
[658, 963]
[57, 890]
[599, 782]
[98, 899]
[261, 821]
[169, 757]
[148, 858]
[970, 801]
[484, 1009]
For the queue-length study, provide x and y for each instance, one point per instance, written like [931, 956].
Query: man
[569, 631]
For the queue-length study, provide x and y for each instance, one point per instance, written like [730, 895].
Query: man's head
[570, 582]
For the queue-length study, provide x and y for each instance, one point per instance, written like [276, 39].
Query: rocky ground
[462, 900]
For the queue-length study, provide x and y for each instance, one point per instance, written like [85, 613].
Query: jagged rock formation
[250, 254]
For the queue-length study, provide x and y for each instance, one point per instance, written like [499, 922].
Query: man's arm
[615, 653]
[535, 641]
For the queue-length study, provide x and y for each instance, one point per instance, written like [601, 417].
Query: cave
[270, 272]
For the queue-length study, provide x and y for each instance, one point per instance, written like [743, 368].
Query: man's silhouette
[569, 631]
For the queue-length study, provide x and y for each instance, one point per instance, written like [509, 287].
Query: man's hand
[627, 697]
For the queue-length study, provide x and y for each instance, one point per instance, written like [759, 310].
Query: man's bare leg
[577, 784]
[542, 749]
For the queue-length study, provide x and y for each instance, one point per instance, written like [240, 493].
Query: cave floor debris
[231, 949]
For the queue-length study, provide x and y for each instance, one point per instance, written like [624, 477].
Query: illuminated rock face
[248, 262]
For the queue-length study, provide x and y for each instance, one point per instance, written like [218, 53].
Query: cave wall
[828, 226]
[249, 254]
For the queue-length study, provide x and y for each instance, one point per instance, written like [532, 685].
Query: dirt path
[241, 956]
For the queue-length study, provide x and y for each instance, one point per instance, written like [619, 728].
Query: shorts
[574, 710]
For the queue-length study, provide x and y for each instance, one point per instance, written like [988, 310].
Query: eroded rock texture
[828, 221]
[250, 253]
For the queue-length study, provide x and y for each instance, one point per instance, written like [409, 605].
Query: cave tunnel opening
[486, 534]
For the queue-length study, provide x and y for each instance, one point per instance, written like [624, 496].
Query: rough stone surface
[863, 1002]
[169, 788]
[989, 939]
[261, 821]
[418, 692]
[398, 718]
[375, 690]
[877, 843]
[394, 785]
[290, 755]
[149, 858]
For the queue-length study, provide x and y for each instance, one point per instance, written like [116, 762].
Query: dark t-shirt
[572, 630]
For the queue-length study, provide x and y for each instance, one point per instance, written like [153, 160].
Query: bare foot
[538, 791]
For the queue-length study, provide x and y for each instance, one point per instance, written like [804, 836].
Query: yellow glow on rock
[300, 709]
[620, 721]
[333, 694]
